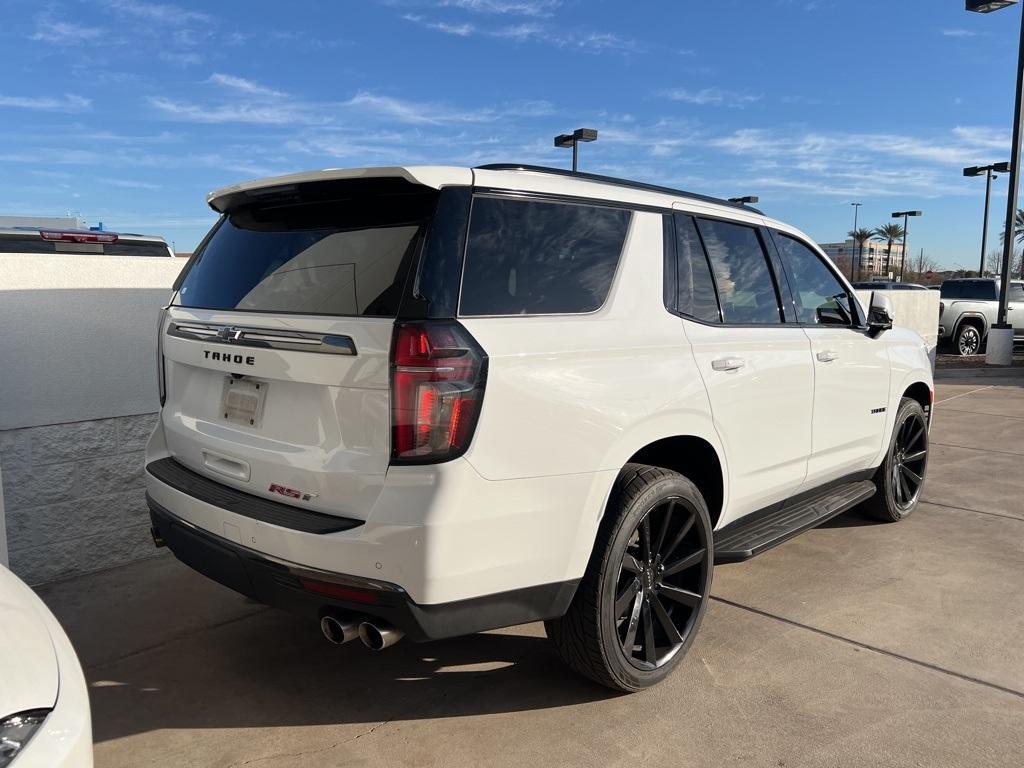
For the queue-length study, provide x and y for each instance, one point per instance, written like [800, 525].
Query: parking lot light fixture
[566, 140]
[990, 172]
[1000, 335]
[906, 216]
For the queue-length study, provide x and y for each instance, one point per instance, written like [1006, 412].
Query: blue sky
[128, 112]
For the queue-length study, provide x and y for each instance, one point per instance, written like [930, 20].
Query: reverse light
[78, 237]
[438, 372]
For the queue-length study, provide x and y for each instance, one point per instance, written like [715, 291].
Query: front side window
[745, 286]
[525, 257]
[695, 288]
[819, 296]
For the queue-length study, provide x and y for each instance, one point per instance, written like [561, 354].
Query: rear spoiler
[434, 176]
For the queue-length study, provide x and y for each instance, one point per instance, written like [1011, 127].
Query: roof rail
[618, 182]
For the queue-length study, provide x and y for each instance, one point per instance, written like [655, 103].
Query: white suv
[432, 401]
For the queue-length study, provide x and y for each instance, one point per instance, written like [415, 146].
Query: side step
[760, 532]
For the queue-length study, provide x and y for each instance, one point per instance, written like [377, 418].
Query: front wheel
[646, 587]
[900, 478]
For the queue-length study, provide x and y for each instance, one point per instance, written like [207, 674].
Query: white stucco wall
[77, 336]
[916, 310]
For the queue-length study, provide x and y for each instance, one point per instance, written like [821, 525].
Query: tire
[901, 476]
[968, 340]
[649, 597]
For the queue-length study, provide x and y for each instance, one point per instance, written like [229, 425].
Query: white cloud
[590, 42]
[249, 87]
[66, 33]
[517, 7]
[130, 184]
[420, 113]
[712, 97]
[70, 103]
[189, 59]
[959, 33]
[259, 114]
[162, 13]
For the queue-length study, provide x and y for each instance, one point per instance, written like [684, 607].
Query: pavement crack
[308, 752]
[980, 450]
[968, 509]
[873, 648]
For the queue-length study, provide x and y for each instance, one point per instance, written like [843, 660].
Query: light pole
[853, 258]
[905, 215]
[989, 171]
[566, 140]
[1000, 335]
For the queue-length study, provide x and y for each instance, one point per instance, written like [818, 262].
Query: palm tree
[890, 233]
[1018, 235]
[860, 236]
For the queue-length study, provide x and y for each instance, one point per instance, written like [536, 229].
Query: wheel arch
[973, 318]
[693, 457]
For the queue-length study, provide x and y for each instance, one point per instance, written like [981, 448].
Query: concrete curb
[1015, 372]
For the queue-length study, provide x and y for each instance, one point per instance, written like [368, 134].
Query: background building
[872, 258]
[43, 222]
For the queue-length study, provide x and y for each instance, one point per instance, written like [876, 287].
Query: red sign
[929, 274]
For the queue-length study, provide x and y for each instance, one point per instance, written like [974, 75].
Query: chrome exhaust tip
[339, 631]
[377, 638]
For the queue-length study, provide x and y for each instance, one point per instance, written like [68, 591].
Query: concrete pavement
[856, 644]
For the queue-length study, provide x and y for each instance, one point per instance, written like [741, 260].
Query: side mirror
[880, 314]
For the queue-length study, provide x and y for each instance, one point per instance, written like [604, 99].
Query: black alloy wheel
[645, 590]
[661, 585]
[901, 476]
[910, 455]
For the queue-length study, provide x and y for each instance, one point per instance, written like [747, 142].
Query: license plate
[242, 401]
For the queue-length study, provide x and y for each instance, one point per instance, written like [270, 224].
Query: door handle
[728, 363]
[827, 356]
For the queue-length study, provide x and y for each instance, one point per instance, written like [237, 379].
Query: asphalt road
[856, 644]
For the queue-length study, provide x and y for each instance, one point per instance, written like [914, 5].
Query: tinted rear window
[950, 290]
[534, 258]
[342, 249]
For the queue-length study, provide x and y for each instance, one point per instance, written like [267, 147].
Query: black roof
[617, 182]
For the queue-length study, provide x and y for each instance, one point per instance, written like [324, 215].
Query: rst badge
[292, 493]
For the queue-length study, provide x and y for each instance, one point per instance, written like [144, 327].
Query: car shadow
[852, 519]
[271, 670]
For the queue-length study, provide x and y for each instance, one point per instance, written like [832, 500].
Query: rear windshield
[34, 244]
[341, 248]
[978, 290]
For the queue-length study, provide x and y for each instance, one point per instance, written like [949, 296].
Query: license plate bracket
[242, 401]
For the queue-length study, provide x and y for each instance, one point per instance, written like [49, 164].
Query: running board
[760, 532]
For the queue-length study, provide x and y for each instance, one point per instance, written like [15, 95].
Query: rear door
[1015, 308]
[756, 368]
[851, 369]
[276, 346]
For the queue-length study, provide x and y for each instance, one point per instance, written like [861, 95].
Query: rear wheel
[968, 340]
[900, 478]
[642, 598]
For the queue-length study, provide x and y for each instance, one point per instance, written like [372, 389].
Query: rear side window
[979, 290]
[329, 251]
[745, 285]
[818, 295]
[695, 288]
[950, 290]
[526, 257]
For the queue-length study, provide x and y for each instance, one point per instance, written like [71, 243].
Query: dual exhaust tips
[376, 637]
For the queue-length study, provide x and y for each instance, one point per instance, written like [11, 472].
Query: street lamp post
[1000, 335]
[853, 258]
[905, 215]
[566, 140]
[989, 171]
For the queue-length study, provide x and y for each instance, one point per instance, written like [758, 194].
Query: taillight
[437, 386]
[161, 382]
[78, 237]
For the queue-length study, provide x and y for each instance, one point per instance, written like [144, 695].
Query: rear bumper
[280, 584]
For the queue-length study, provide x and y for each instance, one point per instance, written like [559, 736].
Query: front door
[851, 369]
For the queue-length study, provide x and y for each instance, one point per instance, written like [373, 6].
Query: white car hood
[28, 662]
